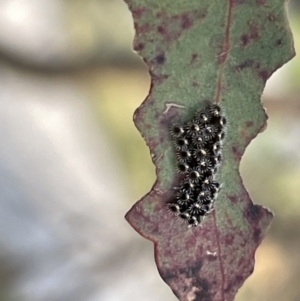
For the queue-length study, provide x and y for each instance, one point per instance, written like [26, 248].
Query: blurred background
[72, 162]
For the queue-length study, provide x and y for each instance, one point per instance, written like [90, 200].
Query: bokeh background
[72, 162]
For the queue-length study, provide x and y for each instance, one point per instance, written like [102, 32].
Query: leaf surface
[223, 51]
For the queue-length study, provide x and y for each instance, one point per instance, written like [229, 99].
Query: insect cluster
[198, 147]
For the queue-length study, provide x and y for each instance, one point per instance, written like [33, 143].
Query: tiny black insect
[184, 155]
[174, 208]
[192, 128]
[193, 221]
[187, 185]
[183, 197]
[211, 185]
[204, 197]
[184, 215]
[217, 147]
[221, 136]
[198, 140]
[215, 110]
[203, 116]
[183, 168]
[177, 131]
[197, 209]
[200, 153]
[205, 165]
[194, 175]
[181, 143]
[223, 121]
[209, 132]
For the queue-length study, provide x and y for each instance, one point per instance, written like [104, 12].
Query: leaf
[198, 50]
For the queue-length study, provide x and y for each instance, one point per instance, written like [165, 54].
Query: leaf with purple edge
[199, 50]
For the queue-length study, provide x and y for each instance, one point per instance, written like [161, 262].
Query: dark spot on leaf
[195, 84]
[143, 28]
[251, 269]
[229, 238]
[237, 282]
[204, 292]
[256, 236]
[161, 29]
[164, 26]
[271, 17]
[194, 57]
[160, 59]
[239, 279]
[260, 2]
[158, 78]
[233, 198]
[279, 42]
[137, 13]
[246, 64]
[264, 74]
[139, 47]
[228, 288]
[170, 27]
[236, 152]
[168, 275]
[244, 39]
[186, 22]
[192, 271]
[249, 123]
[253, 213]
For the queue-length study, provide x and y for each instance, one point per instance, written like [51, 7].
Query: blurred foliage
[115, 95]
[295, 66]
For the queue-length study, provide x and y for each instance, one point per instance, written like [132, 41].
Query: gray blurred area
[63, 193]
[72, 162]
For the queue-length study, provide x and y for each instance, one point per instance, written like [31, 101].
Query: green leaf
[223, 51]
